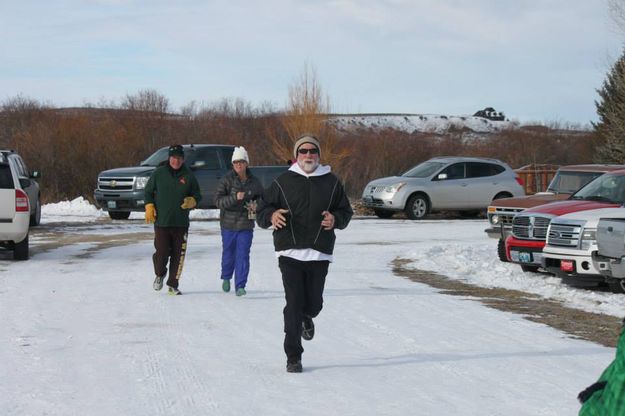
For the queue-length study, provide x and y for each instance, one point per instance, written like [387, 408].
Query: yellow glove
[189, 203]
[150, 214]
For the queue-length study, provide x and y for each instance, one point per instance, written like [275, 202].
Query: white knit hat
[240, 154]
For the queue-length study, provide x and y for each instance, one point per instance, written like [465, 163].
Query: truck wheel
[617, 285]
[35, 218]
[119, 215]
[529, 269]
[382, 213]
[20, 252]
[501, 250]
[417, 207]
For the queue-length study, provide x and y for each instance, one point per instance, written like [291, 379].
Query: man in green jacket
[607, 396]
[171, 192]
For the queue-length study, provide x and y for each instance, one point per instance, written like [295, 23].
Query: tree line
[70, 146]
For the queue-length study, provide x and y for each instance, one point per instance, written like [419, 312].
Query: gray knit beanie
[306, 138]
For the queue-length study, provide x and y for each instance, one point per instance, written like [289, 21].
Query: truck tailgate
[611, 237]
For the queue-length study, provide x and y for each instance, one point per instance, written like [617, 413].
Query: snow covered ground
[83, 333]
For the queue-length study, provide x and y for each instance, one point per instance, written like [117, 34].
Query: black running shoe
[174, 291]
[308, 328]
[294, 367]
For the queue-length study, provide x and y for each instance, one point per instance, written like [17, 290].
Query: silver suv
[442, 184]
[16, 208]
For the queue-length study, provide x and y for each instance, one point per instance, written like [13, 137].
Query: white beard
[308, 165]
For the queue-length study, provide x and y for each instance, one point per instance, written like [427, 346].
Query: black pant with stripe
[171, 245]
[303, 289]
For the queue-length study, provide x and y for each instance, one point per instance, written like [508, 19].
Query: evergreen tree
[611, 111]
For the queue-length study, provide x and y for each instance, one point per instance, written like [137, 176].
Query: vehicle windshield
[607, 188]
[568, 182]
[424, 170]
[161, 155]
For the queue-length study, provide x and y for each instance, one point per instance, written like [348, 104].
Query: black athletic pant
[303, 289]
[170, 244]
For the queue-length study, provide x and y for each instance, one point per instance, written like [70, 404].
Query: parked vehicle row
[562, 237]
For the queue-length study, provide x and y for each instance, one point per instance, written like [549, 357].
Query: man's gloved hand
[588, 391]
[150, 214]
[188, 203]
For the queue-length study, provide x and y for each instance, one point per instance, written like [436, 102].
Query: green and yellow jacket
[166, 189]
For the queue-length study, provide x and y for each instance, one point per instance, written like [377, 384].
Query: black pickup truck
[121, 191]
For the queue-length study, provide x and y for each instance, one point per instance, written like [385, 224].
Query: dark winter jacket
[232, 212]
[305, 198]
[166, 189]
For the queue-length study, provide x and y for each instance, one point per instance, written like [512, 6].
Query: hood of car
[564, 207]
[529, 201]
[594, 215]
[390, 180]
[132, 171]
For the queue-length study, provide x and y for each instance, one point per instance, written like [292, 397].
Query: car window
[6, 179]
[205, 158]
[157, 157]
[569, 182]
[481, 169]
[423, 170]
[455, 171]
[607, 187]
[227, 154]
[19, 166]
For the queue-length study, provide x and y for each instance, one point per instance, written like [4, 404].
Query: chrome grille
[375, 189]
[115, 184]
[530, 227]
[564, 235]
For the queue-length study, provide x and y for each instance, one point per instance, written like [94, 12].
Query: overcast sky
[535, 60]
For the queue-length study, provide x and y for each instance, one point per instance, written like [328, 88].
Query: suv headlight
[589, 237]
[394, 188]
[141, 182]
[494, 219]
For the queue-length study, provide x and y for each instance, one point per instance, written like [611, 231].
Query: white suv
[15, 212]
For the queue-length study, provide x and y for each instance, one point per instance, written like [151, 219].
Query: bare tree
[307, 112]
[146, 100]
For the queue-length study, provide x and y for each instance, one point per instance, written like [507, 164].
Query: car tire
[35, 218]
[529, 269]
[383, 213]
[20, 251]
[617, 285]
[119, 215]
[417, 207]
[501, 250]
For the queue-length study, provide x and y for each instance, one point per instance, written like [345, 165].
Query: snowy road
[83, 333]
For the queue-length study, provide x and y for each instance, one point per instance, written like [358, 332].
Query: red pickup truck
[529, 227]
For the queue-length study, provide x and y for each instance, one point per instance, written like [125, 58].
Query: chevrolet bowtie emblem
[113, 184]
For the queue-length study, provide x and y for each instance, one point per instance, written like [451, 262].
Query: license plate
[368, 199]
[111, 204]
[525, 257]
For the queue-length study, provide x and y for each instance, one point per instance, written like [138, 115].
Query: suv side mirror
[441, 176]
[35, 174]
[25, 183]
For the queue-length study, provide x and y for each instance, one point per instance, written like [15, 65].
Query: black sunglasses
[313, 151]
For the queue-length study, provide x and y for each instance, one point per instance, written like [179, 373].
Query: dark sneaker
[294, 367]
[158, 283]
[241, 291]
[174, 291]
[308, 328]
[225, 285]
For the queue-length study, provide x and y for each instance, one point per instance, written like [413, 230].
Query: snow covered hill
[422, 123]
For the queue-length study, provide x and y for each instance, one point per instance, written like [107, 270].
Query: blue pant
[235, 255]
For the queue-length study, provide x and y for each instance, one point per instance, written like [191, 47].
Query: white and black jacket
[306, 197]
